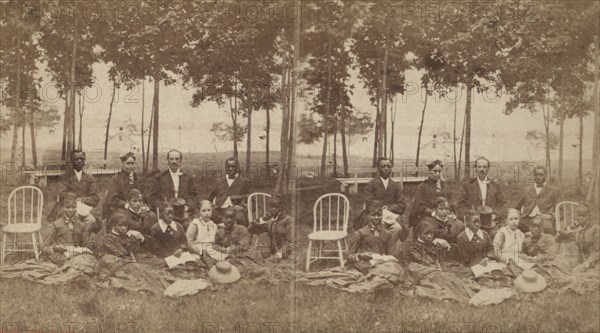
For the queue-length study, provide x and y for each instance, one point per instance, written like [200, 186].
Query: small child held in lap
[201, 231]
[474, 245]
[168, 236]
[508, 241]
[117, 242]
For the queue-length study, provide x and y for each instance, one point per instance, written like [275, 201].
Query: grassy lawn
[243, 307]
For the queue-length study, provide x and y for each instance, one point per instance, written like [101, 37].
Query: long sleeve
[490, 251]
[500, 202]
[355, 245]
[192, 234]
[499, 243]
[91, 199]
[192, 195]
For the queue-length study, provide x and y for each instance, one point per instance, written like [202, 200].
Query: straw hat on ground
[223, 272]
[530, 282]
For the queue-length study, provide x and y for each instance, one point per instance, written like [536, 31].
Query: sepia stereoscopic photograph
[299, 166]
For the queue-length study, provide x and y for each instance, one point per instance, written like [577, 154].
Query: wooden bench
[57, 169]
[403, 176]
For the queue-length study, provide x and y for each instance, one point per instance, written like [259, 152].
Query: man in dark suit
[80, 183]
[541, 199]
[174, 183]
[383, 189]
[481, 191]
[230, 191]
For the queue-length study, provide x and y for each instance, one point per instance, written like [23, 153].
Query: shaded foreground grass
[243, 307]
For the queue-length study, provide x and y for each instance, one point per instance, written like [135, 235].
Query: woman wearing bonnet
[121, 183]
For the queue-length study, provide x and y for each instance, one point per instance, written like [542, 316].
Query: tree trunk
[267, 145]
[155, 123]
[580, 169]
[150, 125]
[65, 127]
[376, 144]
[144, 165]
[335, 173]
[81, 109]
[33, 142]
[454, 141]
[460, 152]
[249, 142]
[279, 187]
[468, 131]
[327, 111]
[421, 128]
[24, 164]
[393, 121]
[234, 111]
[110, 109]
[383, 108]
[561, 151]
[343, 132]
[593, 194]
[15, 140]
[71, 121]
[547, 146]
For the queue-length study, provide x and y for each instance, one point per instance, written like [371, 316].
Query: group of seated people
[486, 230]
[170, 220]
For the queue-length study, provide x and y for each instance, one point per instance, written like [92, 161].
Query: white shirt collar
[229, 180]
[470, 234]
[385, 181]
[486, 180]
[78, 174]
[163, 226]
[178, 172]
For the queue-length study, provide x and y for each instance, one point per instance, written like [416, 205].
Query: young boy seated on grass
[117, 242]
[279, 227]
[539, 246]
[370, 239]
[233, 239]
[167, 236]
[474, 245]
[586, 235]
[201, 231]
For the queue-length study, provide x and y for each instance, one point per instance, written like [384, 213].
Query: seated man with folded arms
[538, 199]
[539, 246]
[371, 239]
[233, 239]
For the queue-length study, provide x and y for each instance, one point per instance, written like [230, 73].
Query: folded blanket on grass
[115, 272]
[48, 272]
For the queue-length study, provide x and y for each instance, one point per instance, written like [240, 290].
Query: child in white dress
[201, 231]
[508, 242]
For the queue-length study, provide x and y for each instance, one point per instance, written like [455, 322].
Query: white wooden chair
[330, 224]
[25, 205]
[258, 204]
[564, 214]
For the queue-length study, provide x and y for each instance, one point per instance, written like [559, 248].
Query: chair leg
[308, 256]
[36, 249]
[3, 249]
[341, 253]
[320, 249]
[346, 245]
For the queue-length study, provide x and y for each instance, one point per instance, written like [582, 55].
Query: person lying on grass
[233, 239]
[279, 227]
[586, 235]
[509, 240]
[168, 236]
[201, 231]
[370, 239]
[119, 241]
[474, 245]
